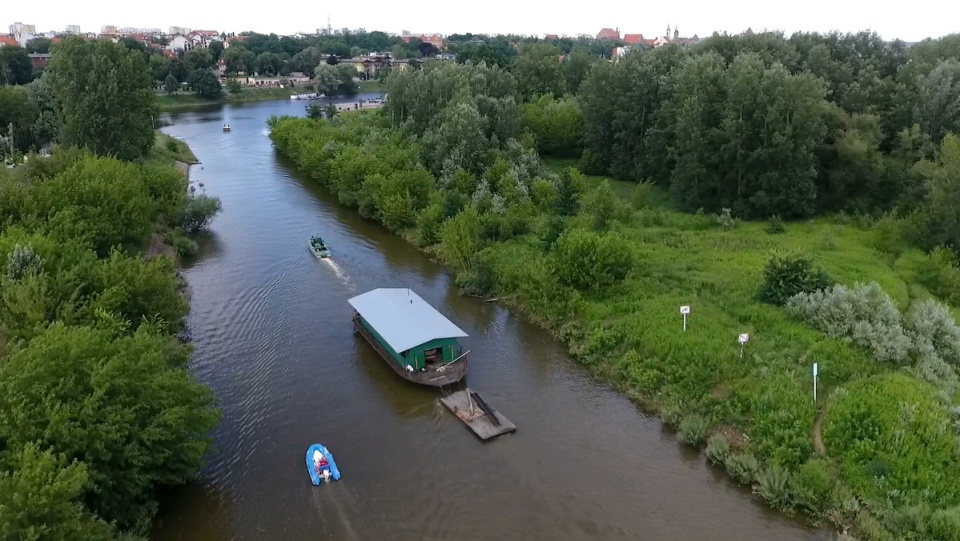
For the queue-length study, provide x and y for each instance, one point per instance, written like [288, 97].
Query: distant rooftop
[402, 318]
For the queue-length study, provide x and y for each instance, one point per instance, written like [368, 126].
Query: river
[273, 338]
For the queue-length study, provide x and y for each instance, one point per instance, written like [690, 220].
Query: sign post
[815, 372]
[684, 310]
[743, 339]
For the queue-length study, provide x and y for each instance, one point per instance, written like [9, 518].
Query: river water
[274, 340]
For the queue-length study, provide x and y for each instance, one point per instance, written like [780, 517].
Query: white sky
[911, 21]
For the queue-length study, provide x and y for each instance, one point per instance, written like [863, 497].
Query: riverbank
[186, 100]
[171, 151]
[609, 278]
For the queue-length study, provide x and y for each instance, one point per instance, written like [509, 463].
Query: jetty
[482, 418]
[415, 340]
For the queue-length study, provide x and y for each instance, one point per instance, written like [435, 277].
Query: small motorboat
[318, 247]
[226, 127]
[320, 464]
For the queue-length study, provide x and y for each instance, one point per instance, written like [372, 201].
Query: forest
[97, 408]
[798, 190]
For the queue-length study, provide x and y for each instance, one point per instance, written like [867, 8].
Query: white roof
[402, 318]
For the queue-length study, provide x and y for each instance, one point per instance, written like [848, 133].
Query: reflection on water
[273, 337]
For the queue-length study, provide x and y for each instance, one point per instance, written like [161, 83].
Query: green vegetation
[172, 102]
[97, 407]
[848, 190]
[167, 149]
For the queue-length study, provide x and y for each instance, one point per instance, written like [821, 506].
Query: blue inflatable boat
[319, 471]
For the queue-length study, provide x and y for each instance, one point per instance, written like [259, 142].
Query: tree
[178, 68]
[38, 45]
[327, 79]
[206, 84]
[121, 405]
[428, 50]
[539, 71]
[40, 498]
[18, 109]
[90, 80]
[15, 66]
[216, 50]
[160, 66]
[198, 59]
[234, 86]
[170, 84]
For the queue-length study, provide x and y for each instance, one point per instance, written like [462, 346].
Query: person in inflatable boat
[319, 461]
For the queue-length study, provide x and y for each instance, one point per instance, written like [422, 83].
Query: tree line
[97, 407]
[835, 141]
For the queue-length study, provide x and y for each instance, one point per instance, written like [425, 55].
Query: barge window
[432, 356]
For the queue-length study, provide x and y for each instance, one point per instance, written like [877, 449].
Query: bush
[865, 315]
[743, 467]
[693, 429]
[184, 246]
[198, 212]
[718, 450]
[589, 261]
[787, 275]
[894, 441]
[776, 226]
[774, 487]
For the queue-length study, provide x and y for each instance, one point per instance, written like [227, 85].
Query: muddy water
[273, 338]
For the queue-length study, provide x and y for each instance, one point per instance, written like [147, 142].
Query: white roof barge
[416, 340]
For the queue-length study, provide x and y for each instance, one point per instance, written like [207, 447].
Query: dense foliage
[738, 127]
[108, 106]
[97, 408]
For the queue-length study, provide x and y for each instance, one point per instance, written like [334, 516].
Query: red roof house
[609, 33]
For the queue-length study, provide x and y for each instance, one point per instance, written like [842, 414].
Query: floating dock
[482, 418]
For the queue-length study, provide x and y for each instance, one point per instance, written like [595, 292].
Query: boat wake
[338, 270]
[335, 501]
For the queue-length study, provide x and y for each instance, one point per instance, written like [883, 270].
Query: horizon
[700, 18]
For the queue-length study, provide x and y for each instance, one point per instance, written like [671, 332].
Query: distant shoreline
[175, 102]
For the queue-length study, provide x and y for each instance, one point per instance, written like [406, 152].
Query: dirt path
[183, 168]
[818, 435]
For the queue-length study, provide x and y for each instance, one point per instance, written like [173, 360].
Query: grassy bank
[185, 100]
[608, 277]
[189, 99]
[169, 150]
[371, 86]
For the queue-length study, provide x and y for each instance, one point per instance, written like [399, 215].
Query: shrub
[774, 487]
[775, 226]
[813, 484]
[743, 467]
[693, 429]
[787, 275]
[198, 212]
[184, 246]
[589, 261]
[895, 441]
[725, 220]
[21, 261]
[718, 450]
[865, 315]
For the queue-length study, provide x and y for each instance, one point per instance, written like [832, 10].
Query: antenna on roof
[408, 295]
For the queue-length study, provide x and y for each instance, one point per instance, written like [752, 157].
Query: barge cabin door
[433, 357]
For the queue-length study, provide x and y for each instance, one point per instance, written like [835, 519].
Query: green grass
[656, 197]
[167, 149]
[371, 86]
[189, 99]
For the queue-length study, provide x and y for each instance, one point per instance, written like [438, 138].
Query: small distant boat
[226, 127]
[320, 464]
[318, 247]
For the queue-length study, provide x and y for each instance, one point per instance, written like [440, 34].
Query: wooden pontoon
[416, 340]
[485, 421]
